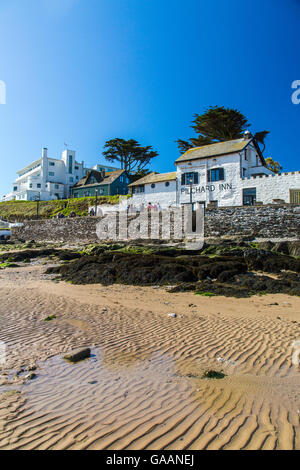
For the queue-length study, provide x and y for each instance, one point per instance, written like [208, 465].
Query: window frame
[185, 178]
[220, 176]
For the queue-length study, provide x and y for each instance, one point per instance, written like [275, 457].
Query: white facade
[233, 179]
[161, 194]
[49, 178]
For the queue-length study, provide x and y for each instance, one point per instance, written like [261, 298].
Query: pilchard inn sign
[203, 189]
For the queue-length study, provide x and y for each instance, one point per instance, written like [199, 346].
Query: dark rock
[78, 355]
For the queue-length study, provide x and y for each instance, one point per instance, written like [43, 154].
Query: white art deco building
[49, 178]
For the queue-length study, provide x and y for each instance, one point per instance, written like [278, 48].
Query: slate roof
[214, 150]
[155, 178]
[109, 178]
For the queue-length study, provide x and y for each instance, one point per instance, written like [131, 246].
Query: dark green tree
[130, 154]
[219, 124]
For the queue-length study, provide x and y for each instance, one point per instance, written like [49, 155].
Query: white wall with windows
[229, 180]
[163, 193]
[49, 178]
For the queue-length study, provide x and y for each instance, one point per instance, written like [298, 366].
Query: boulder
[78, 355]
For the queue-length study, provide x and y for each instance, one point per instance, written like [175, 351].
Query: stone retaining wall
[271, 221]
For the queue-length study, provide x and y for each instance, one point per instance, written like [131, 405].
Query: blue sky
[85, 71]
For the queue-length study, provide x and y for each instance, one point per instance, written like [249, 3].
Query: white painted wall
[273, 186]
[228, 192]
[49, 178]
[225, 192]
[161, 194]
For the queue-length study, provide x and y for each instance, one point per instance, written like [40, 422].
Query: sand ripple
[143, 389]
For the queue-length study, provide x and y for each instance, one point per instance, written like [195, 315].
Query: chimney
[247, 135]
[44, 152]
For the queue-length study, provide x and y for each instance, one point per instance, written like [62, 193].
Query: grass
[23, 210]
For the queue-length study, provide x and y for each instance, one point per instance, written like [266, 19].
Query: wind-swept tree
[219, 124]
[130, 154]
[273, 165]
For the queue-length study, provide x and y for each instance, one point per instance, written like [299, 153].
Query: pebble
[172, 315]
[30, 376]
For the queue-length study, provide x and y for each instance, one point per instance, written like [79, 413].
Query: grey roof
[214, 150]
[109, 178]
[155, 178]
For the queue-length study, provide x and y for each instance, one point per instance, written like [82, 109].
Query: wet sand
[143, 387]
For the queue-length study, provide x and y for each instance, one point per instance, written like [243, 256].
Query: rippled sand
[143, 386]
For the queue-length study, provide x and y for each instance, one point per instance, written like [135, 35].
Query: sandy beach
[143, 387]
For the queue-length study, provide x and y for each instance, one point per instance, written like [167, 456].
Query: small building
[102, 184]
[50, 178]
[155, 188]
[232, 173]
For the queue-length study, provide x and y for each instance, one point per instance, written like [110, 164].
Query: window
[138, 189]
[51, 164]
[51, 173]
[15, 188]
[71, 179]
[30, 185]
[249, 196]
[70, 164]
[152, 185]
[217, 174]
[56, 186]
[38, 185]
[295, 196]
[189, 178]
[167, 183]
[121, 179]
[76, 167]
[244, 171]
[77, 177]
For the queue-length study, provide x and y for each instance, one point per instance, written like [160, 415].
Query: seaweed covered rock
[260, 260]
[215, 267]
[230, 273]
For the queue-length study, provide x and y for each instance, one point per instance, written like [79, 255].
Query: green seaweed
[213, 374]
[51, 317]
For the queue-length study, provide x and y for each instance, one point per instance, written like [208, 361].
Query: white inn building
[49, 178]
[232, 173]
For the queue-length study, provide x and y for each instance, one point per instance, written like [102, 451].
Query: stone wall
[271, 221]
